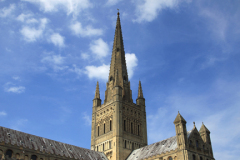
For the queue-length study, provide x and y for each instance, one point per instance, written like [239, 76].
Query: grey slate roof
[13, 137]
[155, 148]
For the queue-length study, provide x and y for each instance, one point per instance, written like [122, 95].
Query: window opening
[132, 146]
[9, 153]
[98, 130]
[110, 125]
[138, 130]
[97, 148]
[110, 145]
[197, 144]
[33, 157]
[124, 125]
[104, 128]
[193, 157]
[125, 144]
[131, 127]
[170, 158]
[103, 146]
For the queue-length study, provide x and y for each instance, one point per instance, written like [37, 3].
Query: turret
[205, 134]
[140, 99]
[181, 131]
[97, 101]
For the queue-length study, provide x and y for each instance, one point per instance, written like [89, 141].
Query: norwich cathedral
[119, 128]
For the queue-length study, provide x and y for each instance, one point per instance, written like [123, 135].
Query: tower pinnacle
[140, 92]
[97, 92]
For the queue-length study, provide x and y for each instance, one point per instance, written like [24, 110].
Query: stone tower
[118, 125]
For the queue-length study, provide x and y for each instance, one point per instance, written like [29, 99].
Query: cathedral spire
[118, 62]
[140, 92]
[97, 92]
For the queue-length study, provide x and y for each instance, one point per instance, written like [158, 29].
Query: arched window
[190, 142]
[131, 127]
[193, 157]
[125, 145]
[124, 79]
[111, 78]
[98, 130]
[110, 125]
[203, 147]
[110, 145]
[138, 130]
[124, 125]
[104, 128]
[201, 158]
[103, 146]
[9, 153]
[33, 157]
[197, 144]
[170, 158]
[132, 146]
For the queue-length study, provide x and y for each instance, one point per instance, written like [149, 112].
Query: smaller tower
[181, 131]
[141, 102]
[205, 134]
[96, 102]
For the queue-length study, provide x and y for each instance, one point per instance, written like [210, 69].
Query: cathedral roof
[155, 149]
[13, 137]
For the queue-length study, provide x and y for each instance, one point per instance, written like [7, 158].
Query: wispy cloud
[88, 31]
[87, 119]
[16, 78]
[99, 48]
[55, 61]
[6, 11]
[112, 2]
[57, 40]
[3, 113]
[147, 10]
[70, 6]
[19, 124]
[10, 87]
[31, 34]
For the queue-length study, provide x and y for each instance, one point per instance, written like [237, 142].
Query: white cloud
[99, 48]
[6, 11]
[147, 10]
[112, 2]
[100, 72]
[31, 34]
[131, 61]
[85, 56]
[57, 40]
[19, 89]
[70, 6]
[88, 31]
[217, 22]
[56, 62]
[16, 78]
[22, 17]
[87, 119]
[3, 113]
[76, 70]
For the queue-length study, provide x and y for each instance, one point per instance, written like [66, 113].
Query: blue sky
[185, 52]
